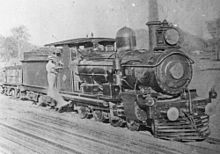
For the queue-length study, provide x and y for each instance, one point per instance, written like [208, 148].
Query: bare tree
[15, 45]
[21, 36]
[10, 48]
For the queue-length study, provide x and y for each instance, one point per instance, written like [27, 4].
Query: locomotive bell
[125, 39]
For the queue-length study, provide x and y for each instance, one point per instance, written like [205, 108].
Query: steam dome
[125, 39]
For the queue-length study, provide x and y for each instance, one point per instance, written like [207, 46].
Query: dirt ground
[27, 129]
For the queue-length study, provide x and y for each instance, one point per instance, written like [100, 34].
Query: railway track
[31, 128]
[43, 140]
[101, 143]
[212, 140]
[119, 141]
[102, 138]
[115, 138]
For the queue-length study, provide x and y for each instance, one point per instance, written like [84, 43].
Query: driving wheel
[133, 125]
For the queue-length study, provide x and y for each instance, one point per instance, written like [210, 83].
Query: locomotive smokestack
[153, 22]
[153, 10]
[152, 27]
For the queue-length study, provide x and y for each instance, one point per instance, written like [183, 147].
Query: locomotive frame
[99, 79]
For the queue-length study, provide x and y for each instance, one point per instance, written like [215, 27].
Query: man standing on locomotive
[51, 74]
[53, 66]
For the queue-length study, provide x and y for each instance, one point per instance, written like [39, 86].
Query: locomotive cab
[84, 58]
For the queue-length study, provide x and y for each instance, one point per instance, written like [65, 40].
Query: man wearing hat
[51, 74]
[52, 68]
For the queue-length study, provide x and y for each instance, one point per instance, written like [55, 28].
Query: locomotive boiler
[166, 69]
[114, 81]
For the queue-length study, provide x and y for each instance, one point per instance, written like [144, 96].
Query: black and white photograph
[109, 76]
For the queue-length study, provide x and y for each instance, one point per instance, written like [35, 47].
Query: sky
[54, 20]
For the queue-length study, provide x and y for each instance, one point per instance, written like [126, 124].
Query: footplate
[187, 128]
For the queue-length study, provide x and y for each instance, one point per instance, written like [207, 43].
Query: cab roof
[83, 42]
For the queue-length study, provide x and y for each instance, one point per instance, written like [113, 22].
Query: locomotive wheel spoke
[153, 129]
[41, 101]
[83, 113]
[12, 93]
[5, 92]
[1, 90]
[18, 94]
[133, 125]
[117, 122]
[98, 115]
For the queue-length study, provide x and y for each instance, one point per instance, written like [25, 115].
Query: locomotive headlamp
[173, 114]
[171, 36]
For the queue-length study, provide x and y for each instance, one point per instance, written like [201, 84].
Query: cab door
[64, 77]
[74, 69]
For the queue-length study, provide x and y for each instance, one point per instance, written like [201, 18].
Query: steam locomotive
[113, 81]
